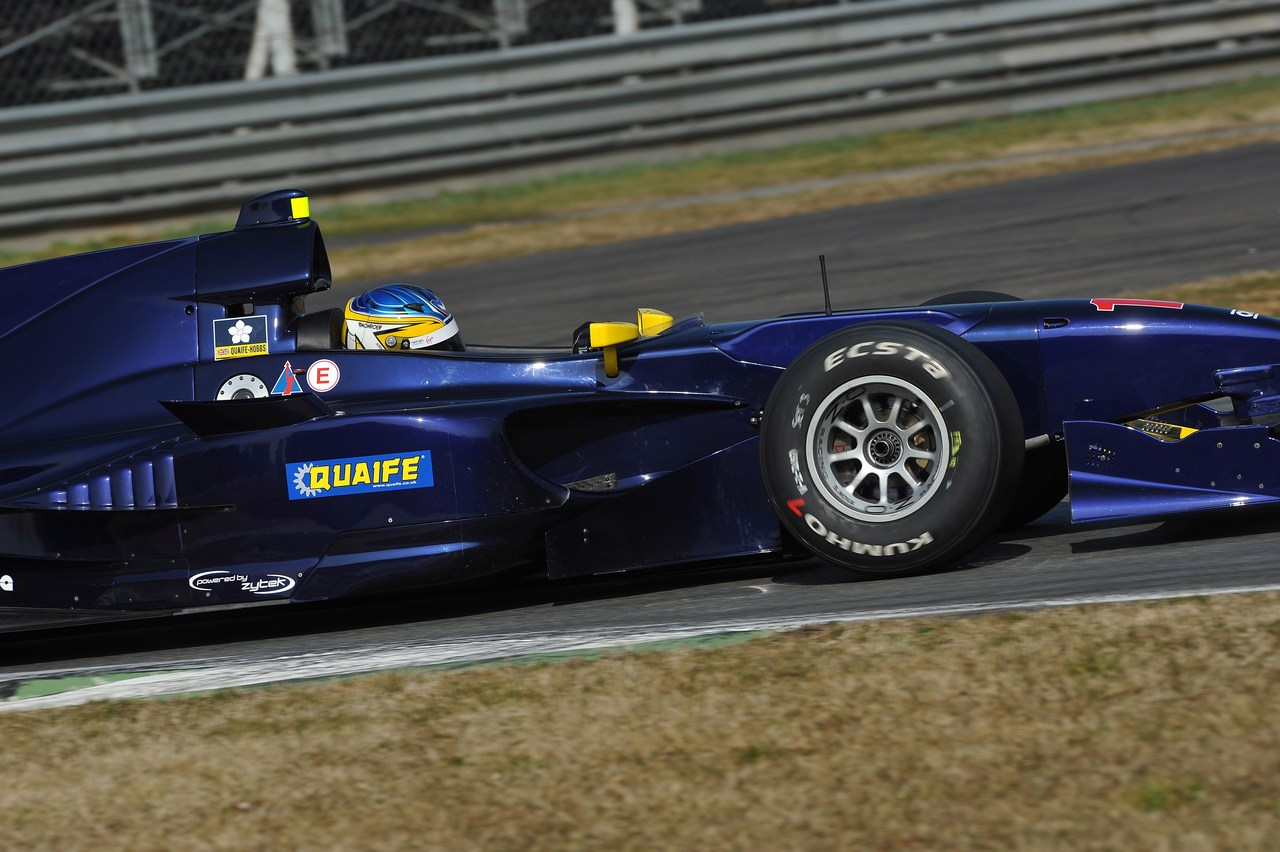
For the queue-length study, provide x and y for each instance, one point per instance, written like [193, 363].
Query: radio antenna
[826, 291]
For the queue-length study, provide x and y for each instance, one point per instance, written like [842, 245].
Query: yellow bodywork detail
[609, 335]
[611, 368]
[652, 321]
[300, 207]
[1163, 431]
[613, 333]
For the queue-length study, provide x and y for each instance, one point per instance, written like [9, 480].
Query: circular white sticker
[323, 375]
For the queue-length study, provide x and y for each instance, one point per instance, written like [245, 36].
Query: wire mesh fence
[65, 49]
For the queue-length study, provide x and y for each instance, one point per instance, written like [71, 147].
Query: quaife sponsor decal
[239, 337]
[358, 475]
[265, 584]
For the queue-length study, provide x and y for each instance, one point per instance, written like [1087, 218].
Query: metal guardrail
[867, 65]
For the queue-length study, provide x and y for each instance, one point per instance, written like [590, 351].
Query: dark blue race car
[205, 441]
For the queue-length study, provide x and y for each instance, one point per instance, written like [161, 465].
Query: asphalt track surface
[1090, 233]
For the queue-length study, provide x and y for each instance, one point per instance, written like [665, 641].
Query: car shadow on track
[1241, 522]
[814, 572]
[226, 629]
[232, 627]
[194, 631]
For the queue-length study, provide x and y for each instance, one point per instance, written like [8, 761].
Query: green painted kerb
[54, 686]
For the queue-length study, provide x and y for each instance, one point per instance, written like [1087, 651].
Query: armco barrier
[864, 66]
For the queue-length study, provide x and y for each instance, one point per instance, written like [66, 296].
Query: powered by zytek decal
[222, 581]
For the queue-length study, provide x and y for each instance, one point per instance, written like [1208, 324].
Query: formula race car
[239, 453]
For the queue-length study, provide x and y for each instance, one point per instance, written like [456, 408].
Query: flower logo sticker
[240, 337]
[240, 333]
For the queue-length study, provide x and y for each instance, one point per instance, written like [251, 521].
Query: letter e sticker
[323, 375]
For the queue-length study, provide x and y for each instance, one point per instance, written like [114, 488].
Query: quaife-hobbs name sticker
[239, 337]
[358, 475]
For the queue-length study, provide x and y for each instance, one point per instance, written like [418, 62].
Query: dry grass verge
[1119, 727]
[1257, 291]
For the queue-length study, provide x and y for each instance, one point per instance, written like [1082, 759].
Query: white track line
[223, 674]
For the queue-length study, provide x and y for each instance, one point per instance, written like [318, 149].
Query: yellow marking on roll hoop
[608, 336]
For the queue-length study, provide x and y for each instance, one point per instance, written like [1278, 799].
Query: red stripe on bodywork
[1110, 304]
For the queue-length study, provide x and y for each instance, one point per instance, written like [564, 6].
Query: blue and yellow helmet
[400, 316]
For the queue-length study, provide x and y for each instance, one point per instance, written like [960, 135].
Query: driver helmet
[400, 316]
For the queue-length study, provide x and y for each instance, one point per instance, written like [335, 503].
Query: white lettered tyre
[891, 448]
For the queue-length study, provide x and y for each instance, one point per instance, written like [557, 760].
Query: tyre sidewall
[976, 486]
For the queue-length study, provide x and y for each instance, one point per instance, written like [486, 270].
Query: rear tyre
[891, 448]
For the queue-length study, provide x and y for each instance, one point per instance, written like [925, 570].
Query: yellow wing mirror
[610, 335]
[652, 322]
